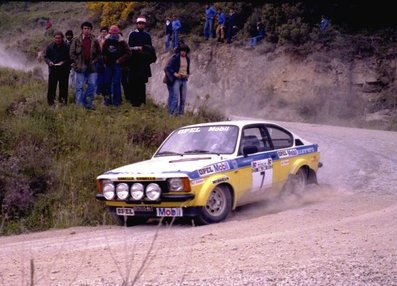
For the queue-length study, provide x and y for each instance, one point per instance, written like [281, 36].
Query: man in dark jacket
[142, 55]
[58, 61]
[178, 72]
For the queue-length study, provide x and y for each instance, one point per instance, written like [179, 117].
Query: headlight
[153, 192]
[175, 185]
[108, 191]
[122, 191]
[137, 191]
[179, 185]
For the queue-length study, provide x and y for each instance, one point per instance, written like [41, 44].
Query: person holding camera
[178, 70]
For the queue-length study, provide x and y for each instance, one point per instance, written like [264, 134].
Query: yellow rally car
[205, 171]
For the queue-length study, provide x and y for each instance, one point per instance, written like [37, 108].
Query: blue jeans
[168, 41]
[112, 87]
[175, 39]
[85, 99]
[255, 40]
[208, 28]
[176, 100]
[170, 88]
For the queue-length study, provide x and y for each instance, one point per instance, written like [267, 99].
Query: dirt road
[341, 232]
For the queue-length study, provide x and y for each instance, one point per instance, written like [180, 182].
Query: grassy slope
[50, 157]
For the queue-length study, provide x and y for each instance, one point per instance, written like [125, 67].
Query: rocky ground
[341, 232]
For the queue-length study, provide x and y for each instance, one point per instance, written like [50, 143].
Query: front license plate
[169, 212]
[125, 211]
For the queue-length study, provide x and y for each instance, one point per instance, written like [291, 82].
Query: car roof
[239, 123]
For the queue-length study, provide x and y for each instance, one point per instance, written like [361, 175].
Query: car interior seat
[249, 140]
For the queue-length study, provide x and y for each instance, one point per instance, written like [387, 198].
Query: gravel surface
[340, 232]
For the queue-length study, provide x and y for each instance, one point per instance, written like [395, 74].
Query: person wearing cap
[84, 53]
[142, 55]
[57, 58]
[178, 71]
[116, 53]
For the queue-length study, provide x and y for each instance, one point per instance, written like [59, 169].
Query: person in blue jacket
[176, 26]
[210, 14]
[220, 30]
[178, 72]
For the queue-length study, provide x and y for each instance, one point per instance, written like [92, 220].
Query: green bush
[50, 156]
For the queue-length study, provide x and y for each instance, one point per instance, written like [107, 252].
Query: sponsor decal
[282, 153]
[261, 165]
[222, 166]
[292, 152]
[125, 211]
[125, 178]
[145, 178]
[220, 180]
[306, 150]
[189, 130]
[218, 129]
[206, 171]
[284, 162]
[169, 212]
[214, 168]
[197, 182]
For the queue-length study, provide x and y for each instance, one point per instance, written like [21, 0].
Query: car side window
[252, 136]
[280, 138]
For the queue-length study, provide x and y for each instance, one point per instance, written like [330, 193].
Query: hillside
[335, 78]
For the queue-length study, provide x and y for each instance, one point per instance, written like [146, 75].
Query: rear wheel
[296, 184]
[218, 206]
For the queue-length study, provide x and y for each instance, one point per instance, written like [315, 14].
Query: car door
[259, 159]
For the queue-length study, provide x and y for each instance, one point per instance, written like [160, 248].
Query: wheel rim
[216, 203]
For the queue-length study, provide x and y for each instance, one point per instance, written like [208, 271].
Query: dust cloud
[17, 61]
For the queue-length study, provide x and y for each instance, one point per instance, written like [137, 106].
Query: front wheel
[219, 205]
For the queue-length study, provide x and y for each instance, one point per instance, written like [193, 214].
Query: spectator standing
[168, 33]
[220, 30]
[232, 28]
[84, 53]
[72, 76]
[210, 14]
[142, 55]
[178, 68]
[58, 61]
[323, 23]
[176, 27]
[259, 34]
[69, 37]
[115, 53]
[100, 67]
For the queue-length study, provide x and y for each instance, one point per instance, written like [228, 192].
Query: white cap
[141, 19]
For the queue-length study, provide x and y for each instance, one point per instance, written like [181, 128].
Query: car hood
[166, 166]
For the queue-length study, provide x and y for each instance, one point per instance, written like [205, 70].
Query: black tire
[128, 220]
[296, 184]
[218, 206]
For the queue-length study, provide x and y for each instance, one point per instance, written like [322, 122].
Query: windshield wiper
[168, 153]
[196, 151]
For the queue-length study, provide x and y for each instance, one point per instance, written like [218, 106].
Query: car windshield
[217, 139]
